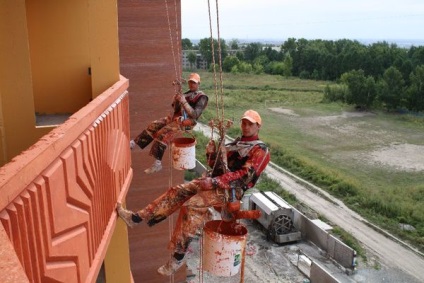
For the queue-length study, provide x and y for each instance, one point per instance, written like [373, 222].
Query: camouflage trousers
[163, 132]
[163, 129]
[194, 204]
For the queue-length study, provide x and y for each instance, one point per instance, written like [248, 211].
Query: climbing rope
[219, 103]
[177, 39]
[219, 122]
[177, 89]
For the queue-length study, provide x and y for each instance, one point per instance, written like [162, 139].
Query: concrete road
[391, 252]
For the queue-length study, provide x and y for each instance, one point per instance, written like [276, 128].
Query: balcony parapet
[57, 205]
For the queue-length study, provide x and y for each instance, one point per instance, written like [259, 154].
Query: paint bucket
[224, 245]
[184, 153]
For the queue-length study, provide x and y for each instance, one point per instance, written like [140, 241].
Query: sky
[310, 19]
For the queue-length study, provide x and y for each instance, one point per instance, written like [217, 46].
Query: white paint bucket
[184, 153]
[224, 246]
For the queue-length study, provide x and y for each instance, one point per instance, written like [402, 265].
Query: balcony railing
[57, 204]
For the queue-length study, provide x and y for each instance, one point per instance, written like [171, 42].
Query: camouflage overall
[245, 166]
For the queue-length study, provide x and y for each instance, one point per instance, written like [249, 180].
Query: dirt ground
[397, 155]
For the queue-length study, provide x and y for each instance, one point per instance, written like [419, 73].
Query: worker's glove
[211, 147]
[208, 183]
[221, 184]
[187, 123]
[180, 98]
[184, 122]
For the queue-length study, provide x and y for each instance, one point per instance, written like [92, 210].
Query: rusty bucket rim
[184, 142]
[207, 228]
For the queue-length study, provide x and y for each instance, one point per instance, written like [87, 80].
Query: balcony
[57, 205]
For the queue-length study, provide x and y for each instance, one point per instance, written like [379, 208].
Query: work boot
[171, 266]
[157, 150]
[129, 217]
[157, 166]
[143, 139]
[132, 144]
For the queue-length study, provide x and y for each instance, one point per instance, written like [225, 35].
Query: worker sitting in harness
[247, 157]
[187, 109]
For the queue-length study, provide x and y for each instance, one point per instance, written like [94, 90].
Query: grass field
[373, 161]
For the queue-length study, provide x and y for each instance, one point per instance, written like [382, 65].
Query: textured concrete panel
[60, 221]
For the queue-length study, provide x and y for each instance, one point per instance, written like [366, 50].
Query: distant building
[200, 62]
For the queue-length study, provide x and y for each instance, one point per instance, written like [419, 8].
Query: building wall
[104, 45]
[146, 57]
[74, 52]
[117, 261]
[17, 120]
[57, 57]
[59, 41]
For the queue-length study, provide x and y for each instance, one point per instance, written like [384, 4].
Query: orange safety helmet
[252, 116]
[194, 77]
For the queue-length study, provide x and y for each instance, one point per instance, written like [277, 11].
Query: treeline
[379, 75]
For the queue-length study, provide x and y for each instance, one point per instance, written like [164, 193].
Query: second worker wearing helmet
[187, 108]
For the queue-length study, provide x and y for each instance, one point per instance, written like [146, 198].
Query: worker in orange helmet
[187, 108]
[247, 157]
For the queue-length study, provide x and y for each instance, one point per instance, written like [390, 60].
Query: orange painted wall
[17, 120]
[104, 44]
[47, 51]
[74, 52]
[60, 55]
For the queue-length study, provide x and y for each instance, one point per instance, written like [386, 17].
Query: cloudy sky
[310, 19]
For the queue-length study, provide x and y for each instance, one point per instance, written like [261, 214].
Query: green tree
[415, 94]
[186, 44]
[383, 57]
[252, 51]
[235, 69]
[229, 63]
[404, 65]
[275, 68]
[245, 67]
[288, 66]
[191, 56]
[347, 55]
[297, 55]
[240, 55]
[335, 93]
[417, 55]
[361, 90]
[205, 49]
[289, 46]
[273, 55]
[392, 89]
[234, 44]
[261, 60]
[258, 68]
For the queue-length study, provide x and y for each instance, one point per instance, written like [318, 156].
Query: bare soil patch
[404, 157]
[284, 111]
[398, 155]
